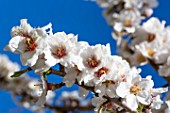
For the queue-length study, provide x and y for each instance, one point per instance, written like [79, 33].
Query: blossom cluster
[126, 15]
[149, 42]
[92, 66]
[20, 86]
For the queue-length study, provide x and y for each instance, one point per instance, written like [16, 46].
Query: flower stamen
[101, 72]
[60, 51]
[151, 37]
[92, 62]
[30, 44]
[135, 89]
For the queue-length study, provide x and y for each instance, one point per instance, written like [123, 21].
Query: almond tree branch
[65, 109]
[60, 73]
[115, 100]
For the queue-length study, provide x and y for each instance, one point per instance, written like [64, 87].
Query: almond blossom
[136, 92]
[28, 42]
[64, 50]
[149, 42]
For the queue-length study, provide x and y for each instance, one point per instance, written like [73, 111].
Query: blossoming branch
[116, 86]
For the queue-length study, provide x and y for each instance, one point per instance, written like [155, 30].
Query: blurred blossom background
[80, 17]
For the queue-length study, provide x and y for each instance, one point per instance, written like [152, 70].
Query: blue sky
[72, 16]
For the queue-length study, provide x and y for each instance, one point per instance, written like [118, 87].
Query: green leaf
[19, 73]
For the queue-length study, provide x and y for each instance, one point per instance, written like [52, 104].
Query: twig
[57, 73]
[65, 109]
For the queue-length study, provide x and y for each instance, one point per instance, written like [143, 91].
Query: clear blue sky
[72, 16]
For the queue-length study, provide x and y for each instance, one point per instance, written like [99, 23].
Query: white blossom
[62, 49]
[28, 42]
[138, 91]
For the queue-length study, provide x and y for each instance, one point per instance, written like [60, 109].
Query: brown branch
[53, 87]
[65, 109]
[90, 88]
[62, 68]
[62, 74]
[118, 102]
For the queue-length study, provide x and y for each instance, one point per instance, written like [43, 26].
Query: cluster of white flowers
[139, 44]
[149, 42]
[7, 68]
[92, 66]
[125, 15]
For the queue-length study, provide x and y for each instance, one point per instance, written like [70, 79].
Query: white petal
[159, 90]
[144, 98]
[118, 27]
[40, 66]
[50, 59]
[131, 102]
[70, 77]
[15, 45]
[123, 89]
[29, 58]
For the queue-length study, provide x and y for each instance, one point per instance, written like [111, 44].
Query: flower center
[92, 62]
[60, 51]
[30, 44]
[101, 72]
[135, 89]
[150, 52]
[123, 78]
[151, 37]
[128, 23]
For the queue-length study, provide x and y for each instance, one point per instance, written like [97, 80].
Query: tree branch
[115, 100]
[65, 109]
